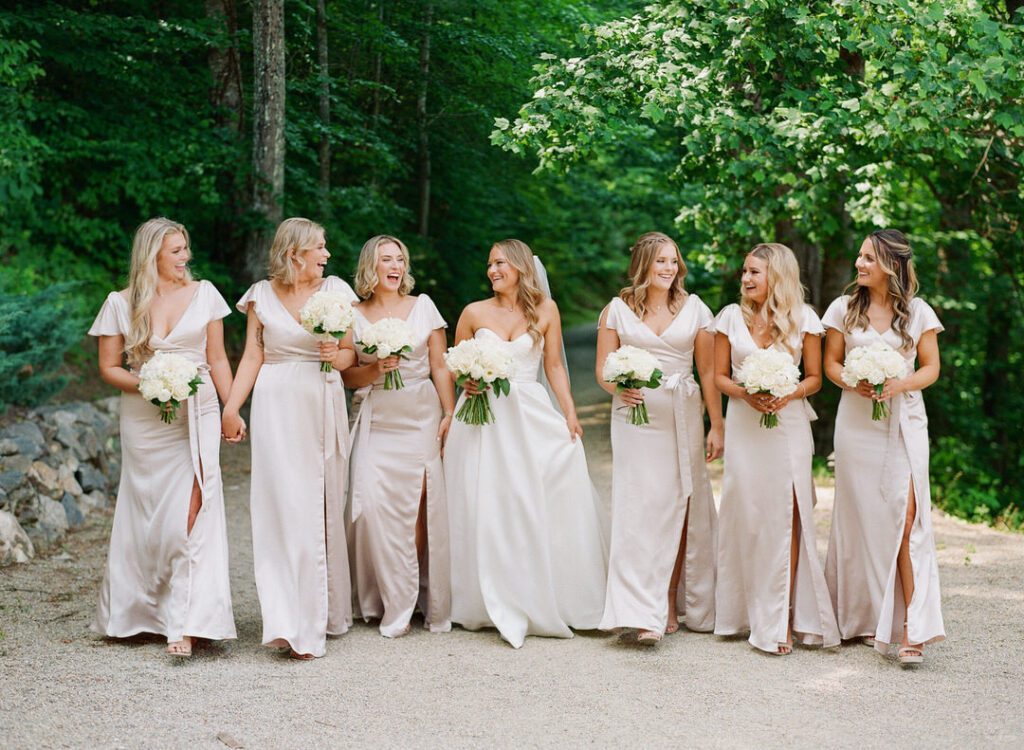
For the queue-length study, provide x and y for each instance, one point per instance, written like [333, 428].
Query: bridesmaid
[399, 521]
[663, 511]
[300, 447]
[167, 571]
[881, 552]
[526, 548]
[770, 581]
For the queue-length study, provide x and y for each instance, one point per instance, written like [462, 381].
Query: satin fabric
[658, 479]
[875, 465]
[763, 469]
[300, 447]
[526, 547]
[395, 452]
[159, 578]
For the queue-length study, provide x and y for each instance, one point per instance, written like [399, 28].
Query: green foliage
[812, 124]
[35, 333]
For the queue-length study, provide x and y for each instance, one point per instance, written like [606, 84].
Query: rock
[46, 479]
[95, 500]
[87, 445]
[91, 478]
[51, 523]
[18, 462]
[75, 514]
[68, 436]
[15, 546]
[68, 483]
[27, 436]
[10, 480]
[3, 498]
[8, 447]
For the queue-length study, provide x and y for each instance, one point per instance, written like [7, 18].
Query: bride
[526, 549]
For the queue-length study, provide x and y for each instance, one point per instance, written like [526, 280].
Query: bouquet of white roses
[769, 371]
[386, 338]
[875, 364]
[327, 315]
[633, 367]
[490, 365]
[166, 380]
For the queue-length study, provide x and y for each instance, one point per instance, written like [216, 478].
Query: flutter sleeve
[341, 285]
[254, 295]
[705, 319]
[725, 321]
[215, 302]
[111, 320]
[923, 319]
[431, 314]
[613, 318]
[811, 322]
[835, 315]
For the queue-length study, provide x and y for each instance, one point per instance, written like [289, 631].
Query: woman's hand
[631, 396]
[442, 431]
[575, 428]
[473, 388]
[714, 443]
[892, 387]
[761, 402]
[232, 427]
[329, 351]
[776, 405]
[388, 364]
[865, 389]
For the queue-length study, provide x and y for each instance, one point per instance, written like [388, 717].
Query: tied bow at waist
[689, 432]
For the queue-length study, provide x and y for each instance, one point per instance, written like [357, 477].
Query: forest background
[574, 126]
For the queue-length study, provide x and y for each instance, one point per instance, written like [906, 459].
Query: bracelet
[804, 387]
[447, 413]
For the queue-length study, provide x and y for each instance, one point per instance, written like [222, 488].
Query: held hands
[715, 443]
[762, 402]
[232, 428]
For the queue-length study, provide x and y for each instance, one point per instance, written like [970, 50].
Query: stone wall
[58, 464]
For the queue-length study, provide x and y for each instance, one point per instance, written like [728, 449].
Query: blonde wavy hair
[529, 295]
[142, 281]
[294, 238]
[892, 249]
[642, 256]
[784, 304]
[366, 269]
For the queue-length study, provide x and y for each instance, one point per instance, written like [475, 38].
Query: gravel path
[61, 686]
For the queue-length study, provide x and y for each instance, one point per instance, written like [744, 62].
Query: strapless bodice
[526, 354]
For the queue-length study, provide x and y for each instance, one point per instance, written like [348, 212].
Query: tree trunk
[268, 144]
[227, 101]
[325, 108]
[421, 124]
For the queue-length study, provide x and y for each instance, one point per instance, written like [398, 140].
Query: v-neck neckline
[284, 307]
[675, 318]
[184, 313]
[406, 319]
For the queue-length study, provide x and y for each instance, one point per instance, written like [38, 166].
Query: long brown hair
[520, 257]
[892, 249]
[642, 256]
[784, 305]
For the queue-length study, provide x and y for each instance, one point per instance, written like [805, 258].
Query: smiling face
[172, 260]
[391, 265]
[870, 273]
[310, 262]
[503, 275]
[754, 281]
[664, 268]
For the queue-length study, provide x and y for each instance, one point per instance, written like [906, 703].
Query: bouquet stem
[393, 381]
[638, 415]
[769, 420]
[325, 367]
[476, 410]
[168, 411]
[879, 409]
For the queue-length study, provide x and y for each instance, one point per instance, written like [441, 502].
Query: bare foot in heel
[182, 648]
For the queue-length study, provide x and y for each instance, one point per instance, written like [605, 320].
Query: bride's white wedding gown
[527, 552]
